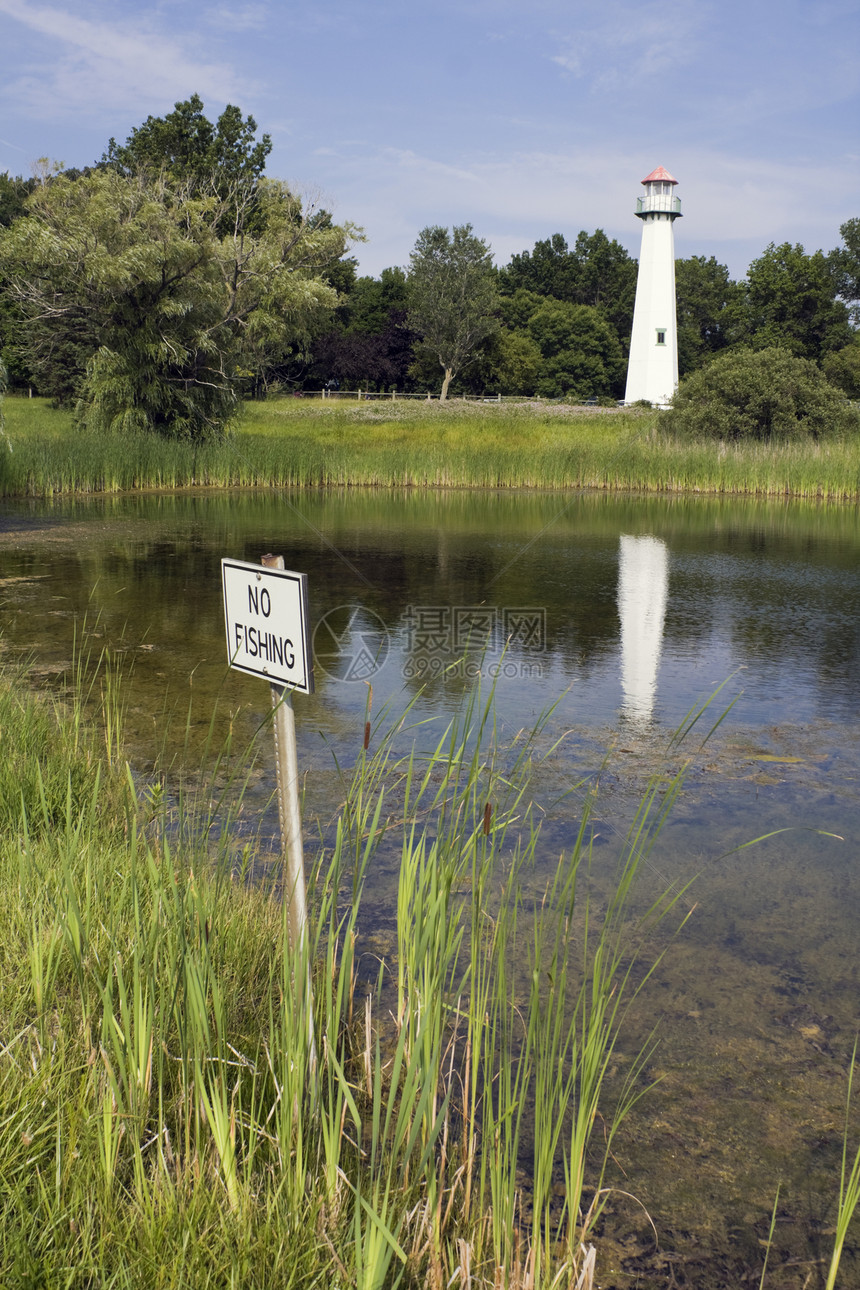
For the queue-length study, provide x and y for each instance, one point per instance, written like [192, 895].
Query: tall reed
[163, 1120]
[156, 1074]
[289, 443]
[849, 1185]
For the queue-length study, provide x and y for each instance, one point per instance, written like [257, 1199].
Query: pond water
[625, 613]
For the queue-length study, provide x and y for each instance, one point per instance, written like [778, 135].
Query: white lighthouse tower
[652, 372]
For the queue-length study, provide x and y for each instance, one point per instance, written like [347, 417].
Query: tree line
[157, 288]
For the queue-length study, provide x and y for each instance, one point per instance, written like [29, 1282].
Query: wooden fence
[394, 395]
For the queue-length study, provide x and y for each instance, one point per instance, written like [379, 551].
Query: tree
[368, 306]
[596, 272]
[512, 363]
[707, 306]
[452, 297]
[842, 369]
[13, 204]
[189, 148]
[790, 301]
[369, 344]
[845, 263]
[367, 359]
[606, 280]
[550, 269]
[13, 197]
[161, 309]
[516, 310]
[581, 353]
[759, 394]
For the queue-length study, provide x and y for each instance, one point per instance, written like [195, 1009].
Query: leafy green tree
[452, 297]
[759, 394]
[13, 197]
[162, 311]
[607, 280]
[516, 310]
[845, 263]
[581, 353]
[368, 306]
[13, 204]
[550, 269]
[790, 301]
[512, 363]
[189, 148]
[596, 272]
[842, 369]
[708, 302]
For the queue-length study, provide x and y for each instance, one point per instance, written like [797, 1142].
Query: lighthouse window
[661, 337]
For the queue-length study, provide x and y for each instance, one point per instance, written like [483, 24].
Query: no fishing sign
[266, 614]
[268, 635]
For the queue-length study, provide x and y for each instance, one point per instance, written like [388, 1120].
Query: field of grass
[296, 442]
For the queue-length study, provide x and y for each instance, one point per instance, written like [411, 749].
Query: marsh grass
[849, 1184]
[160, 1106]
[293, 443]
[163, 1121]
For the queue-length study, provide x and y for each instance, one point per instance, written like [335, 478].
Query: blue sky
[521, 119]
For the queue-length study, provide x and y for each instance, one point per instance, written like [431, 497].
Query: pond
[624, 613]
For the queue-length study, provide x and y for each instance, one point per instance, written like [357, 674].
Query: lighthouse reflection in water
[643, 586]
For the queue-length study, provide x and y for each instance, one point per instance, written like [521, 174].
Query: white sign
[266, 612]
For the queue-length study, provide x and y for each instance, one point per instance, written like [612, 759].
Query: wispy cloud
[641, 41]
[245, 17]
[114, 64]
[732, 206]
[429, 169]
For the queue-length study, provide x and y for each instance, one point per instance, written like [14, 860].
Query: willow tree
[452, 297]
[164, 291]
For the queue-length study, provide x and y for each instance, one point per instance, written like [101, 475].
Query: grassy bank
[165, 1120]
[294, 442]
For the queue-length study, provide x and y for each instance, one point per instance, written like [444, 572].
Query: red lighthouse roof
[660, 175]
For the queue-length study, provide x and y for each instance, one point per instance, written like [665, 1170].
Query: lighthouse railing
[658, 204]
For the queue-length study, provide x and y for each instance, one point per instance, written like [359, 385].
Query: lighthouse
[652, 372]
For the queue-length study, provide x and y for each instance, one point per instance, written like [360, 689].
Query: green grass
[163, 1121]
[295, 442]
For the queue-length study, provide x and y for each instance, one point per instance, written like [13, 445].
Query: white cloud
[631, 40]
[427, 169]
[246, 17]
[733, 207]
[106, 64]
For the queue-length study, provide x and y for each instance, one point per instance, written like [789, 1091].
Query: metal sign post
[266, 615]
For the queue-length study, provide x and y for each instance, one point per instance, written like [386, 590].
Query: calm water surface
[625, 613]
